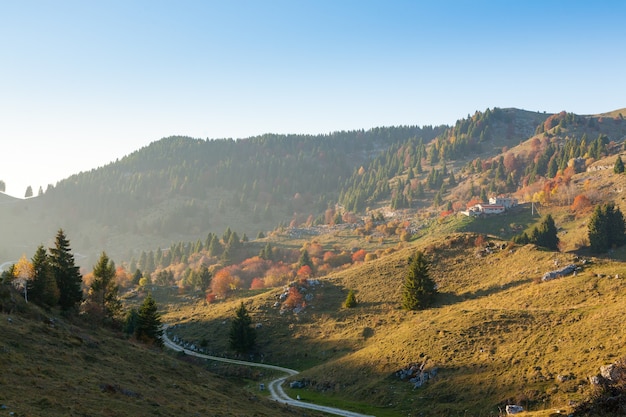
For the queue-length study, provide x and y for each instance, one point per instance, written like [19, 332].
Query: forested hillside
[183, 188]
[499, 151]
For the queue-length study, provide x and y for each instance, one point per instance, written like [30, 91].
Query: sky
[83, 83]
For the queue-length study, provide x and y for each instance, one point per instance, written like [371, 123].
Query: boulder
[514, 409]
[610, 372]
[569, 269]
[595, 380]
[296, 384]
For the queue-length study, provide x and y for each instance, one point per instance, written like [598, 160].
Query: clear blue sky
[85, 82]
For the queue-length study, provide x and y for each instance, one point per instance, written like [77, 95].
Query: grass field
[63, 368]
[497, 335]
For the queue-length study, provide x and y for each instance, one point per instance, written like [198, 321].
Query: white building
[490, 208]
[507, 202]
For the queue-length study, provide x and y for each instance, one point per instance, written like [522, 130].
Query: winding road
[274, 387]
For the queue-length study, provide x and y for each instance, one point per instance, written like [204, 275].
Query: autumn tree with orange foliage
[223, 282]
[304, 272]
[359, 256]
[581, 205]
[257, 284]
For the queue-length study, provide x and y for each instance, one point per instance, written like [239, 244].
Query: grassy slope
[495, 334]
[65, 370]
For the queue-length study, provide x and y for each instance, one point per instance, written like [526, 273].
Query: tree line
[51, 279]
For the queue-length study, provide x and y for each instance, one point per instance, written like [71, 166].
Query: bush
[350, 300]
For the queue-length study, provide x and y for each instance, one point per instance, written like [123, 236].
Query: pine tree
[419, 289]
[546, 234]
[215, 248]
[606, 228]
[483, 195]
[130, 321]
[242, 336]
[305, 259]
[618, 168]
[67, 275]
[44, 291]
[203, 278]
[267, 252]
[227, 255]
[226, 235]
[148, 327]
[451, 179]
[104, 292]
[350, 300]
[136, 277]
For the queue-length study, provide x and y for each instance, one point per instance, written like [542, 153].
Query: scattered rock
[610, 372]
[297, 384]
[595, 380]
[417, 374]
[514, 409]
[569, 269]
[563, 378]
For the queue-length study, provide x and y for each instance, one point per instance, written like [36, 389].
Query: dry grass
[62, 369]
[496, 335]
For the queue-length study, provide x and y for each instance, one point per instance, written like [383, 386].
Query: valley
[290, 225]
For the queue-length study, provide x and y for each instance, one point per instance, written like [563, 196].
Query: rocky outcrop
[417, 374]
[567, 270]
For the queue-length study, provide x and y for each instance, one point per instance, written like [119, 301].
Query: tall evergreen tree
[242, 335]
[104, 292]
[606, 228]
[267, 252]
[227, 255]
[305, 259]
[618, 168]
[148, 327]
[215, 248]
[203, 278]
[547, 234]
[136, 277]
[419, 289]
[67, 274]
[44, 291]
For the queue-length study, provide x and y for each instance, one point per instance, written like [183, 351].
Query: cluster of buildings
[496, 205]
